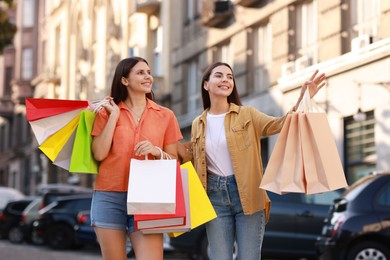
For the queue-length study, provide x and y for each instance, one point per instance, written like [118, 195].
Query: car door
[280, 229]
[310, 213]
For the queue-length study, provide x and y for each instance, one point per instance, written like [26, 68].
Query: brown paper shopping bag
[272, 178]
[293, 179]
[323, 168]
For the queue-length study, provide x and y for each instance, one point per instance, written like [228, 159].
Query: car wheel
[369, 250]
[15, 235]
[60, 237]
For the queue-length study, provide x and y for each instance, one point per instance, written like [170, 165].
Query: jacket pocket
[241, 135]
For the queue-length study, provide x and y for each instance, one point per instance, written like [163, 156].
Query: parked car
[50, 192]
[359, 223]
[8, 194]
[295, 222]
[10, 218]
[29, 214]
[56, 221]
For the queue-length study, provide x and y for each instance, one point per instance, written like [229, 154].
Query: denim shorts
[109, 210]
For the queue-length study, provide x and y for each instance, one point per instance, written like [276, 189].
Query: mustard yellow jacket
[244, 126]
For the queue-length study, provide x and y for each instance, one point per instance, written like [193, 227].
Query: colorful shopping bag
[179, 228]
[152, 187]
[37, 108]
[153, 221]
[45, 127]
[82, 159]
[201, 209]
[53, 145]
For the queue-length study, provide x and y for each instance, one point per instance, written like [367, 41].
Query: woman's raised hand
[314, 84]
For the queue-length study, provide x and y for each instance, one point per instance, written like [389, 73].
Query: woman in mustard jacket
[225, 149]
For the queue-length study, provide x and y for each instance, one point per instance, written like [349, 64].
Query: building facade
[272, 45]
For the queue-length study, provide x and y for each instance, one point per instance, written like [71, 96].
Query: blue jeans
[231, 223]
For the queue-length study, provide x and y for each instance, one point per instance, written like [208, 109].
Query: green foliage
[7, 29]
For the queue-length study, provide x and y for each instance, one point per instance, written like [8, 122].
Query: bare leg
[112, 243]
[147, 247]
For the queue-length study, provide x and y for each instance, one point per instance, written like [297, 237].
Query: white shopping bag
[152, 187]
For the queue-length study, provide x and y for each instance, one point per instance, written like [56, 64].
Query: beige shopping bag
[272, 178]
[322, 165]
[293, 176]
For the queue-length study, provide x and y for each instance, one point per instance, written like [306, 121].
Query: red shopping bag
[149, 221]
[37, 108]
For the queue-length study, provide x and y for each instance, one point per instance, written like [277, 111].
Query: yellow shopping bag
[53, 144]
[201, 209]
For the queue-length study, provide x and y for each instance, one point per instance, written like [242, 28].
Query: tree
[7, 29]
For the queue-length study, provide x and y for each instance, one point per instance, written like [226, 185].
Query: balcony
[247, 3]
[148, 6]
[214, 13]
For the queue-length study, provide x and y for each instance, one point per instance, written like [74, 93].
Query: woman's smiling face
[220, 82]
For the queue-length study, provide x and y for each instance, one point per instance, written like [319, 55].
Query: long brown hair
[232, 98]
[118, 90]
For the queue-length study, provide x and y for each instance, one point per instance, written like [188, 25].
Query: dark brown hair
[118, 90]
[232, 98]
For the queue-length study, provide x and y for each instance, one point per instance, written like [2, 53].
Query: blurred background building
[69, 50]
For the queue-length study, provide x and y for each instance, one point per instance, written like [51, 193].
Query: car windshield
[357, 186]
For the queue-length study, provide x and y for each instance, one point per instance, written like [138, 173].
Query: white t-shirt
[217, 152]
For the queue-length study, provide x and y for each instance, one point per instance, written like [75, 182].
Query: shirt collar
[233, 108]
[150, 104]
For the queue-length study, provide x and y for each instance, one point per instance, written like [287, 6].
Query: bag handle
[162, 153]
[96, 105]
[307, 104]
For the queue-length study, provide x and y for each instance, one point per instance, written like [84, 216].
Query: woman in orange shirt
[127, 128]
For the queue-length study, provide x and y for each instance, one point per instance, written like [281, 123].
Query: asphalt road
[9, 251]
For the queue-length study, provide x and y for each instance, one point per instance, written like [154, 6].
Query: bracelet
[161, 153]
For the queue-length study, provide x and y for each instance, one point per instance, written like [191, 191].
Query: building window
[28, 18]
[365, 16]
[27, 64]
[359, 146]
[193, 82]
[192, 10]
[306, 34]
[223, 53]
[262, 57]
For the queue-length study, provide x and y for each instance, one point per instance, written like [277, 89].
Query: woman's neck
[136, 101]
[218, 107]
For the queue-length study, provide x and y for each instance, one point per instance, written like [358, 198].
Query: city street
[9, 251]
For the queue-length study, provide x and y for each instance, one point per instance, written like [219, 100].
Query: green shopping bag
[82, 159]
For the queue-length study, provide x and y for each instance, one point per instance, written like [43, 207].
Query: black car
[10, 218]
[359, 223]
[56, 221]
[50, 192]
[29, 214]
[295, 222]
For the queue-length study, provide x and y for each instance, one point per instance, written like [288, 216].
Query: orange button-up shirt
[158, 125]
